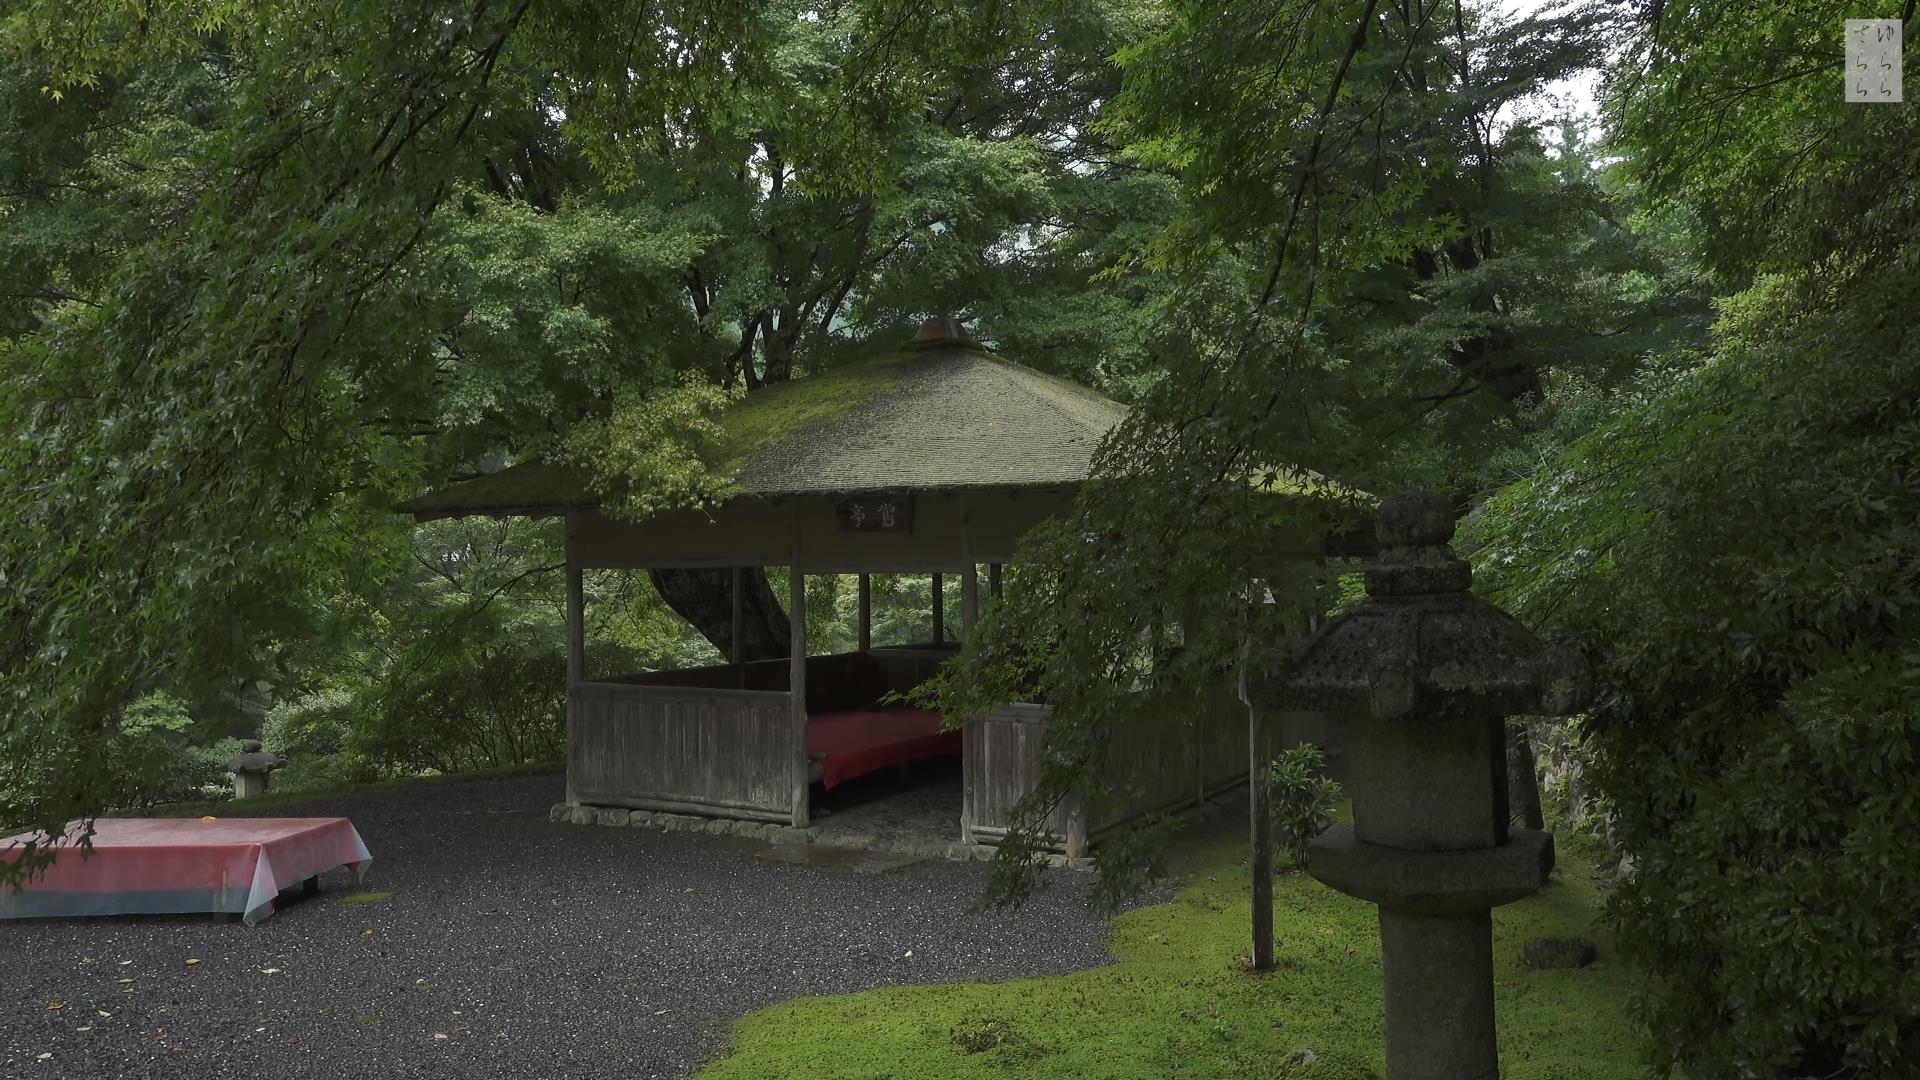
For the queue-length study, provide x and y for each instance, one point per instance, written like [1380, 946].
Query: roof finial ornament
[1414, 529]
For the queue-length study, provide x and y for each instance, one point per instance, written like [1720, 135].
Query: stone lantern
[251, 769]
[1427, 675]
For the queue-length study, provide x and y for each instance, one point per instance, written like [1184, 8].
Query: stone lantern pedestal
[1427, 674]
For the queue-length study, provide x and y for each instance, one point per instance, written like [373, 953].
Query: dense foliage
[1740, 550]
[268, 267]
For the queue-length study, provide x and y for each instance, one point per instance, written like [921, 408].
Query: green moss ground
[1178, 1002]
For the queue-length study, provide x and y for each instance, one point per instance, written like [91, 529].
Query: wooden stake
[939, 608]
[1259, 820]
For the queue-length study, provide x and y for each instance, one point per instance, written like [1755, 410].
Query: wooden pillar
[576, 614]
[969, 583]
[866, 612]
[797, 688]
[993, 579]
[736, 637]
[576, 640]
[939, 608]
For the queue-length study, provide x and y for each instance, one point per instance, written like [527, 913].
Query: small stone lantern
[251, 768]
[1428, 674]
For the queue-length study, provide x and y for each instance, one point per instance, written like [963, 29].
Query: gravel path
[510, 947]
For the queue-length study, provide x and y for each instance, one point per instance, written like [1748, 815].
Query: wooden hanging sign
[876, 513]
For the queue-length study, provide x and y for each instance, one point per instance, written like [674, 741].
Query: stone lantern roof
[1422, 643]
[252, 759]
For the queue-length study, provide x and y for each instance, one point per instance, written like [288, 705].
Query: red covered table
[850, 744]
[170, 865]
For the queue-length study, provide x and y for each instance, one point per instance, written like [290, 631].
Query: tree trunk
[1523, 780]
[705, 599]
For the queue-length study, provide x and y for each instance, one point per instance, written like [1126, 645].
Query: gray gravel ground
[511, 947]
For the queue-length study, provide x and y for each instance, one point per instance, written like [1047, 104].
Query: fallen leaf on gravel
[689, 890]
[659, 1012]
[439, 1034]
[56, 1005]
[124, 963]
[209, 817]
[89, 1027]
[44, 1057]
[367, 1018]
[269, 971]
[123, 982]
[104, 1013]
[192, 962]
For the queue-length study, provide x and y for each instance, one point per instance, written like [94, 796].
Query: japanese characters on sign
[876, 513]
[1874, 60]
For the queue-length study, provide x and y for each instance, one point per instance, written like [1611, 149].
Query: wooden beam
[866, 612]
[797, 688]
[993, 579]
[939, 608]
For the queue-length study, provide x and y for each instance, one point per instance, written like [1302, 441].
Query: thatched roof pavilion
[934, 460]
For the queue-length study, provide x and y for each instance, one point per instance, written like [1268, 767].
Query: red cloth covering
[850, 744]
[155, 865]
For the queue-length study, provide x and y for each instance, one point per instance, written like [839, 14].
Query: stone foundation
[775, 833]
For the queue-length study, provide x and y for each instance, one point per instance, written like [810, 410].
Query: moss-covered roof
[949, 417]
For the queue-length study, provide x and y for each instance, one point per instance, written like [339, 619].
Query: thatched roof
[944, 415]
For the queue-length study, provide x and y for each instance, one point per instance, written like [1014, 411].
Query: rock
[959, 852]
[641, 819]
[1084, 865]
[615, 817]
[583, 815]
[787, 834]
[1541, 954]
[719, 827]
[560, 812]
[1057, 861]
[1303, 1056]
[983, 853]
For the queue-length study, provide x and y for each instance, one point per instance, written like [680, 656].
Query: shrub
[469, 708]
[153, 753]
[1304, 799]
[1741, 557]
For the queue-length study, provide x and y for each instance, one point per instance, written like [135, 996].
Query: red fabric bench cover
[850, 744]
[170, 865]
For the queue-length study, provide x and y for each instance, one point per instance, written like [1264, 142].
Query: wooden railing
[689, 749]
[1155, 763]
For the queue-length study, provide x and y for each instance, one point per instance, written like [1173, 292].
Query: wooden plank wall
[682, 748]
[1156, 763]
[1000, 760]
